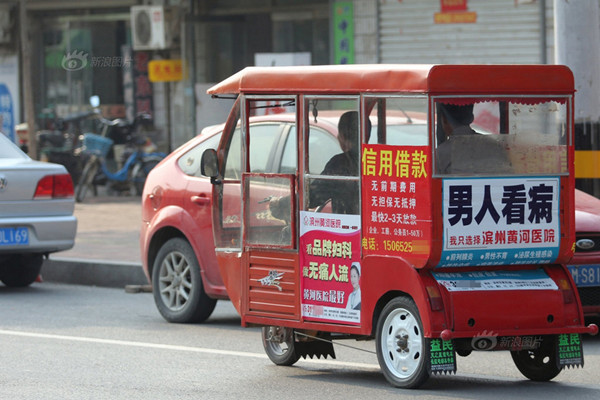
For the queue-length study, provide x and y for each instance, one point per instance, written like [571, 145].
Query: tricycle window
[397, 120]
[500, 136]
[335, 188]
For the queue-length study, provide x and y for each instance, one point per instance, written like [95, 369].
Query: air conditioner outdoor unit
[149, 26]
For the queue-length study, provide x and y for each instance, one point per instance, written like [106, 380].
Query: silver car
[36, 214]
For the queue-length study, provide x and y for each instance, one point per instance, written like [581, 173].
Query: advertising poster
[9, 95]
[495, 280]
[143, 98]
[330, 267]
[396, 198]
[500, 221]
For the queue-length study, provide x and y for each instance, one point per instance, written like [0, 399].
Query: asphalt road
[72, 342]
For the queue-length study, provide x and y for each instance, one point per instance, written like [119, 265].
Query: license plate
[585, 275]
[14, 236]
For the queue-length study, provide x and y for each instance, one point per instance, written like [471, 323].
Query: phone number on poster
[398, 246]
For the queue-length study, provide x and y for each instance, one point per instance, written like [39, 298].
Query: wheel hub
[177, 281]
[402, 343]
[276, 335]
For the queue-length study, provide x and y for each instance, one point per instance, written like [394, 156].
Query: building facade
[78, 52]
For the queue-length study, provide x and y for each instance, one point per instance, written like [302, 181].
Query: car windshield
[10, 150]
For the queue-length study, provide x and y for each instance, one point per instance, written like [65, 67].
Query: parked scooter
[133, 164]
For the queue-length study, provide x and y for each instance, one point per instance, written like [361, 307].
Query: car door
[197, 203]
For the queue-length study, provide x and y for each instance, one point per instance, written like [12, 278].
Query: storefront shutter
[505, 32]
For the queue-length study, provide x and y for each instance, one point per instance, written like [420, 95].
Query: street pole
[26, 77]
[577, 34]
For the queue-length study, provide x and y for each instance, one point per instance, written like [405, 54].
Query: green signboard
[570, 351]
[442, 356]
[343, 32]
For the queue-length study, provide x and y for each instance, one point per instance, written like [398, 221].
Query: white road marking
[339, 364]
[175, 348]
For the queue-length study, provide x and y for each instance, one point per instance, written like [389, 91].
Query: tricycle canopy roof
[408, 78]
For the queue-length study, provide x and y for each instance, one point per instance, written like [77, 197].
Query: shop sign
[343, 32]
[142, 87]
[454, 12]
[165, 70]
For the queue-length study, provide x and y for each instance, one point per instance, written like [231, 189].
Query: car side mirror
[209, 165]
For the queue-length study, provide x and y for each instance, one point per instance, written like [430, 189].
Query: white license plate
[585, 275]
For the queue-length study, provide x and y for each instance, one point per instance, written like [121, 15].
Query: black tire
[402, 349]
[140, 173]
[540, 364]
[21, 270]
[87, 178]
[177, 285]
[279, 344]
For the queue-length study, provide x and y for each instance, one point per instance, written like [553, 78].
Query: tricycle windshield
[500, 136]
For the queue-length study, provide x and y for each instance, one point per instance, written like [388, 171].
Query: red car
[176, 237]
[585, 267]
[176, 240]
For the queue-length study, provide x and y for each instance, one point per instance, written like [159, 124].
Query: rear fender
[384, 278]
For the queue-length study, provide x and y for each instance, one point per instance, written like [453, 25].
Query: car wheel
[539, 364]
[21, 270]
[401, 347]
[279, 345]
[177, 285]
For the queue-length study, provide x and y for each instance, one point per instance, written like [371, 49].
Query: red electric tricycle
[440, 225]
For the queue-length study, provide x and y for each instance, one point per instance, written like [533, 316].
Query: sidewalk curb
[103, 273]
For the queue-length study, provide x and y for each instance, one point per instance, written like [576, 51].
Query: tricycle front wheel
[279, 344]
[539, 364]
[401, 347]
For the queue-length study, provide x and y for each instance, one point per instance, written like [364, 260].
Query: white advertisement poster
[9, 95]
[500, 221]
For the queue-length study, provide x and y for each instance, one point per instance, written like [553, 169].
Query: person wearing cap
[462, 150]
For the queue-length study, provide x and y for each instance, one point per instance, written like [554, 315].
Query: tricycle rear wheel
[402, 350]
[279, 344]
[539, 364]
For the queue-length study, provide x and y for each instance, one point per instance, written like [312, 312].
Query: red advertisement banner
[330, 260]
[396, 200]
